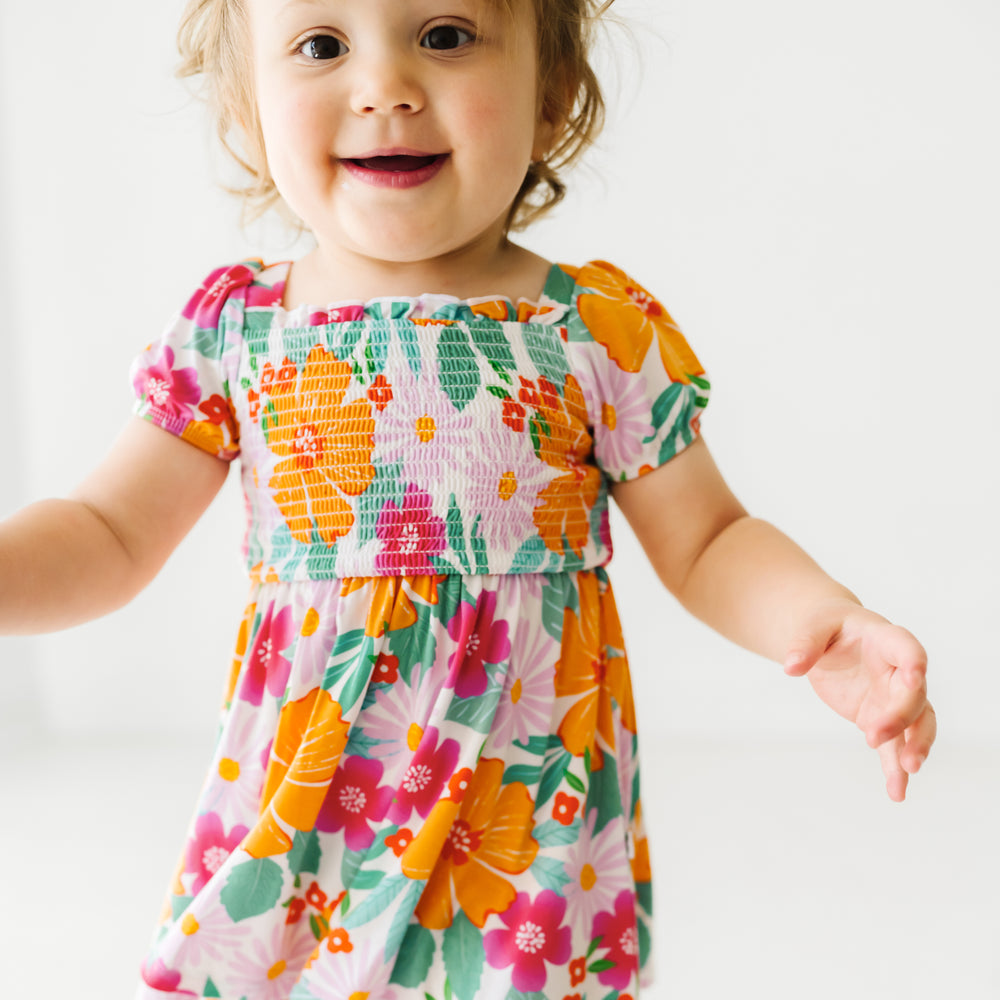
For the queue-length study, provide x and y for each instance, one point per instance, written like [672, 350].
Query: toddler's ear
[553, 113]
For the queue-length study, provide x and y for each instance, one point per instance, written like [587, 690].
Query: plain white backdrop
[812, 191]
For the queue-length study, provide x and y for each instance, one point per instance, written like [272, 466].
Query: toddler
[426, 783]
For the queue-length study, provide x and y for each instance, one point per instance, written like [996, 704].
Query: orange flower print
[458, 784]
[386, 668]
[324, 448]
[587, 673]
[577, 971]
[623, 317]
[467, 848]
[380, 392]
[564, 809]
[339, 940]
[560, 426]
[296, 907]
[310, 739]
[398, 842]
[315, 896]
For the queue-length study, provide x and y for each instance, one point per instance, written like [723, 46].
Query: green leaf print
[401, 921]
[516, 994]
[377, 901]
[476, 712]
[367, 879]
[545, 348]
[529, 556]
[253, 888]
[458, 372]
[210, 990]
[527, 774]
[604, 795]
[456, 533]
[415, 956]
[552, 833]
[178, 904]
[537, 745]
[407, 333]
[464, 956]
[414, 644]
[645, 943]
[553, 609]
[350, 865]
[662, 408]
[552, 774]
[550, 873]
[305, 853]
[493, 344]
[644, 894]
[601, 965]
[478, 545]
[207, 341]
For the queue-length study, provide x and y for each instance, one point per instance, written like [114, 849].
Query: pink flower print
[265, 665]
[208, 850]
[260, 296]
[624, 418]
[533, 937]
[168, 391]
[205, 306]
[620, 937]
[159, 977]
[430, 769]
[410, 535]
[338, 314]
[353, 800]
[479, 639]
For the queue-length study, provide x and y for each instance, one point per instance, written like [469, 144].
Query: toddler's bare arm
[63, 562]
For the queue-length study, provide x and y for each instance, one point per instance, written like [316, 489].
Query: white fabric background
[810, 188]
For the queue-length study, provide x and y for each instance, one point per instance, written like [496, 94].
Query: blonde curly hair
[213, 40]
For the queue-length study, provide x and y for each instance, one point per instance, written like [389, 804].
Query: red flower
[564, 810]
[513, 414]
[315, 896]
[399, 841]
[577, 971]
[380, 392]
[458, 784]
[620, 936]
[572, 996]
[425, 777]
[355, 799]
[528, 394]
[386, 668]
[295, 909]
[339, 940]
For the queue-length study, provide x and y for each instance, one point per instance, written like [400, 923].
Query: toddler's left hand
[875, 674]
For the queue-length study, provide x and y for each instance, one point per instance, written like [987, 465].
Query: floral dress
[426, 782]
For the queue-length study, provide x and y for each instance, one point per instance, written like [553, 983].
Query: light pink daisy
[621, 417]
[401, 711]
[598, 870]
[267, 968]
[342, 974]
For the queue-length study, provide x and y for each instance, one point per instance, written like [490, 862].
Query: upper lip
[393, 151]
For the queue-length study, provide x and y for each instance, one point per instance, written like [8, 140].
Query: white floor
[781, 871]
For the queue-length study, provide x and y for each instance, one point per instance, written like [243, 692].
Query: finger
[895, 777]
[919, 740]
[899, 648]
[803, 653]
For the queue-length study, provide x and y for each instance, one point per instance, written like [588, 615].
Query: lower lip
[395, 178]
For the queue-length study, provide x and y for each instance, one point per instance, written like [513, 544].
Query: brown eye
[323, 47]
[446, 36]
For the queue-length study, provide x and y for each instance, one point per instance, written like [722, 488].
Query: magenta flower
[533, 937]
[353, 800]
[620, 936]
[410, 535]
[265, 664]
[205, 306]
[159, 977]
[431, 767]
[338, 314]
[479, 639]
[208, 849]
[166, 390]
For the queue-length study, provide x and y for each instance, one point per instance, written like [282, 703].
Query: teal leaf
[550, 873]
[464, 955]
[458, 372]
[207, 341]
[604, 796]
[553, 609]
[414, 957]
[477, 712]
[305, 853]
[644, 894]
[478, 544]
[552, 775]
[350, 865]
[210, 990]
[665, 402]
[645, 944]
[401, 922]
[456, 533]
[376, 901]
[552, 833]
[516, 994]
[178, 904]
[407, 333]
[493, 344]
[536, 745]
[529, 556]
[527, 774]
[545, 348]
[252, 888]
[367, 879]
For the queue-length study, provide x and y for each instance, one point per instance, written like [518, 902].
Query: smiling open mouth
[398, 170]
[397, 163]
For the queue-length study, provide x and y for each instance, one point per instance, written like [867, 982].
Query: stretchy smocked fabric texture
[426, 783]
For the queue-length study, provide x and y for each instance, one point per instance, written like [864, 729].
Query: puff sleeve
[645, 387]
[182, 381]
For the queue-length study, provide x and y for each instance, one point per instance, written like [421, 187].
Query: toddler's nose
[386, 83]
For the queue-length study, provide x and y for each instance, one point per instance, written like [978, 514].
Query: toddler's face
[398, 130]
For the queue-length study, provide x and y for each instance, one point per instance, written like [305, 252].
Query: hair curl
[213, 40]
